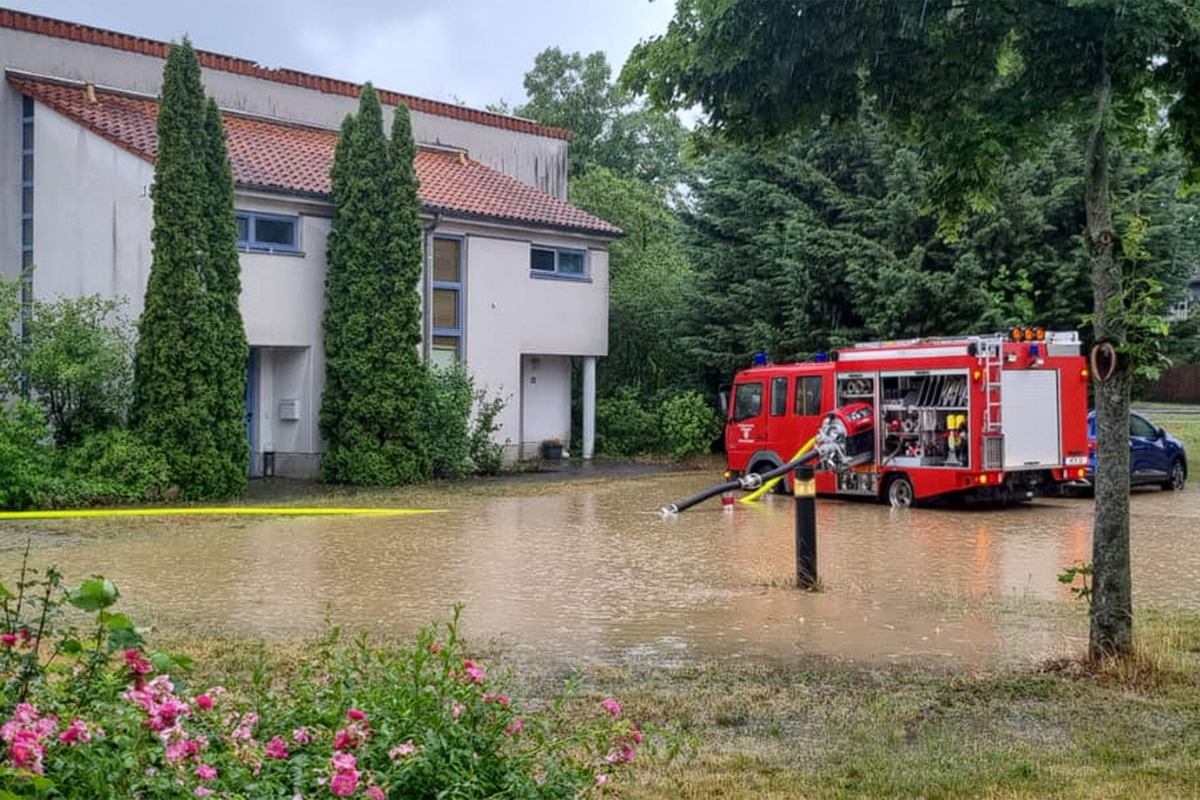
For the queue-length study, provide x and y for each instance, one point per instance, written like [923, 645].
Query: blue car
[1156, 458]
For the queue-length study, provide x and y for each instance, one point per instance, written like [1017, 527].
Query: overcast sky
[471, 51]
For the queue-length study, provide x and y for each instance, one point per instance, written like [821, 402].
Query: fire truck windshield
[747, 400]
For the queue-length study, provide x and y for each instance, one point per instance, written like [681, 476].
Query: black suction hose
[675, 508]
[747, 482]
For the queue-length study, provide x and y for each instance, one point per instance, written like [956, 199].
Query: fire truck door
[1029, 411]
[747, 422]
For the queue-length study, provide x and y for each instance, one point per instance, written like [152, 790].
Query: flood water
[592, 572]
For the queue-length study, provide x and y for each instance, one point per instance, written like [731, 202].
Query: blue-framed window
[558, 262]
[26, 292]
[270, 233]
[446, 306]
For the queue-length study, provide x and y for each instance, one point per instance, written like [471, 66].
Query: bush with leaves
[459, 422]
[625, 427]
[689, 424]
[93, 714]
[79, 364]
[26, 455]
[135, 469]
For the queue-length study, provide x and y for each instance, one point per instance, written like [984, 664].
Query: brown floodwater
[584, 573]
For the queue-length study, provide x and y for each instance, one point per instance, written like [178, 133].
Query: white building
[516, 279]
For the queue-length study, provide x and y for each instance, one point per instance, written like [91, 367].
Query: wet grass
[836, 729]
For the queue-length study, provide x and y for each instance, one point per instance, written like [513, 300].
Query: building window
[26, 291]
[271, 233]
[446, 306]
[557, 262]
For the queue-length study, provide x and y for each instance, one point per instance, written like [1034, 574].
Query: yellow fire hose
[768, 485]
[204, 510]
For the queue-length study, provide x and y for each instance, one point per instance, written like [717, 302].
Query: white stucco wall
[10, 182]
[510, 314]
[539, 161]
[92, 215]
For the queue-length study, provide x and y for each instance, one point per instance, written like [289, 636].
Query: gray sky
[471, 51]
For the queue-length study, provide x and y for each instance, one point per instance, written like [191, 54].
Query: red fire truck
[1000, 417]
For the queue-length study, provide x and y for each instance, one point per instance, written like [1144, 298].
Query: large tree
[374, 379]
[609, 128]
[971, 81]
[190, 361]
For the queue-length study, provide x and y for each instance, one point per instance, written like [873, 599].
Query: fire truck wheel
[900, 491]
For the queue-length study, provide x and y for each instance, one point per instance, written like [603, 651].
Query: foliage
[649, 275]
[25, 455]
[374, 379]
[609, 128]
[485, 453]
[420, 721]
[459, 421]
[10, 338]
[230, 351]
[971, 82]
[79, 365]
[1081, 573]
[625, 426]
[689, 424]
[132, 468]
[186, 394]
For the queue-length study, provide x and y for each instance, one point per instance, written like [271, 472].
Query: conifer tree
[374, 380]
[190, 337]
[229, 351]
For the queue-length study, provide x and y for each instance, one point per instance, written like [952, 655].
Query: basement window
[268, 233]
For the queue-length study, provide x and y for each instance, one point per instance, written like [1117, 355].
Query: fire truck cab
[1000, 417]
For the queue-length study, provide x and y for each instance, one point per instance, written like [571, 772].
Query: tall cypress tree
[374, 379]
[187, 336]
[230, 351]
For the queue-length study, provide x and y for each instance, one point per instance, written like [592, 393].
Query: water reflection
[592, 573]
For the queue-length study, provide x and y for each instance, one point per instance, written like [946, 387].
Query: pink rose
[205, 702]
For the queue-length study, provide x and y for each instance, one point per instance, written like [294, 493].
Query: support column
[589, 406]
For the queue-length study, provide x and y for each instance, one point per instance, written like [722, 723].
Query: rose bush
[98, 714]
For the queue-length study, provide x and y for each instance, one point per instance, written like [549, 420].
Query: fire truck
[997, 417]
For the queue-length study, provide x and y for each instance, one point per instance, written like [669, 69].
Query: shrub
[418, 722]
[689, 424]
[25, 455]
[131, 468]
[447, 410]
[79, 364]
[624, 427]
[486, 454]
[459, 443]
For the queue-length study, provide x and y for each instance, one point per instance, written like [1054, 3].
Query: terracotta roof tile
[61, 29]
[292, 158]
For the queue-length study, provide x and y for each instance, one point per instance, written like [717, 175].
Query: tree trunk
[1111, 602]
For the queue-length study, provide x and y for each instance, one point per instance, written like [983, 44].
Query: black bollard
[805, 494]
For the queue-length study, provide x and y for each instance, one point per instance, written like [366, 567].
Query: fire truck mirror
[1103, 361]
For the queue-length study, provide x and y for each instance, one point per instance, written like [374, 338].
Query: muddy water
[583, 573]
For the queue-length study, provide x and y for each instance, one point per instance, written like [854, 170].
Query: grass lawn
[836, 729]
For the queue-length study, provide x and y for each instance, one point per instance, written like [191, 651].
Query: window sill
[270, 251]
[554, 276]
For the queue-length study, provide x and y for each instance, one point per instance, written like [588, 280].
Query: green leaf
[117, 621]
[71, 646]
[94, 594]
[124, 638]
[5, 594]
